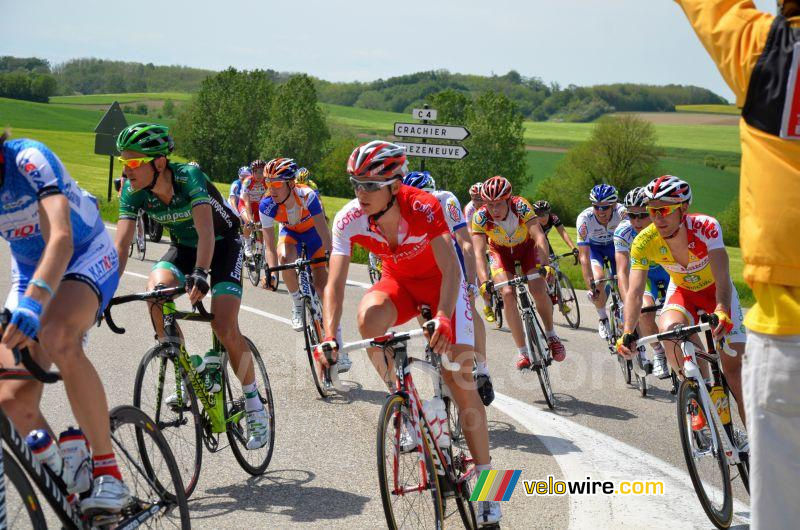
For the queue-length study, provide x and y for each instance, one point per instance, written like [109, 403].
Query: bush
[729, 220]
[141, 108]
[712, 161]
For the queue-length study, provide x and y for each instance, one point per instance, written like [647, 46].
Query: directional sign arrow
[453, 152]
[421, 130]
[112, 122]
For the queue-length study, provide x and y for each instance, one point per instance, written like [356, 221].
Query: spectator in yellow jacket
[758, 54]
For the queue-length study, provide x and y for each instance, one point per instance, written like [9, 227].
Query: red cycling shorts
[504, 259]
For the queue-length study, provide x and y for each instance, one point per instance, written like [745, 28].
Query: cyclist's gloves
[26, 316]
[725, 323]
[270, 280]
[487, 287]
[575, 252]
[627, 340]
[444, 326]
[548, 271]
[198, 278]
[328, 345]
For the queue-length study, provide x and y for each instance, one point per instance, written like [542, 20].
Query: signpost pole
[110, 176]
[425, 122]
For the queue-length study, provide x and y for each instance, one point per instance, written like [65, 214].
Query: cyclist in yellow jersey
[509, 227]
[690, 248]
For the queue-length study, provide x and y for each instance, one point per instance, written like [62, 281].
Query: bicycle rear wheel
[534, 335]
[155, 230]
[707, 464]
[180, 421]
[254, 264]
[460, 462]
[154, 480]
[568, 301]
[254, 461]
[409, 500]
[312, 333]
[22, 508]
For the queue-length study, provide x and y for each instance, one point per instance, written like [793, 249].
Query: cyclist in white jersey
[462, 242]
[63, 274]
[236, 189]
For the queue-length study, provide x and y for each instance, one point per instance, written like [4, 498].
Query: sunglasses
[602, 207]
[133, 163]
[662, 211]
[541, 213]
[643, 215]
[275, 183]
[369, 185]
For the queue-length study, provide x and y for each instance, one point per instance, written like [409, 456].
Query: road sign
[454, 152]
[425, 130]
[105, 144]
[112, 122]
[424, 114]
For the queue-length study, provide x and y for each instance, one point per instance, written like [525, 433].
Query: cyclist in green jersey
[205, 246]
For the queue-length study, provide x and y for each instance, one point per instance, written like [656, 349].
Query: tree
[220, 127]
[620, 151]
[330, 173]
[297, 127]
[168, 108]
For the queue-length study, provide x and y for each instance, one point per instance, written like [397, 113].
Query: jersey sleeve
[478, 222]
[342, 231]
[555, 220]
[267, 210]
[42, 170]
[197, 186]
[710, 232]
[734, 33]
[452, 213]
[582, 227]
[313, 203]
[130, 201]
[524, 210]
[236, 187]
[622, 239]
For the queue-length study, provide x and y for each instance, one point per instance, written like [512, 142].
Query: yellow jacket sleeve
[734, 33]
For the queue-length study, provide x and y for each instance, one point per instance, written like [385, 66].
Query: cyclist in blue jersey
[657, 278]
[236, 188]
[596, 225]
[63, 273]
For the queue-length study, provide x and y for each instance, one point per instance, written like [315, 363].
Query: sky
[581, 42]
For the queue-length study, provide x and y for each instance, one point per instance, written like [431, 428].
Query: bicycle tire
[625, 367]
[187, 445]
[253, 266]
[155, 230]
[140, 237]
[688, 396]
[22, 499]
[498, 310]
[573, 316]
[164, 478]
[458, 452]
[312, 334]
[641, 383]
[234, 404]
[390, 424]
[539, 360]
[744, 458]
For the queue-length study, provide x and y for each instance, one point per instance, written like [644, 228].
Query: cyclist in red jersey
[253, 189]
[406, 228]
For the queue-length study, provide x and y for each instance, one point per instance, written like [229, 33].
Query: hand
[197, 285]
[270, 281]
[328, 343]
[487, 287]
[547, 271]
[24, 324]
[575, 252]
[725, 325]
[443, 336]
[624, 344]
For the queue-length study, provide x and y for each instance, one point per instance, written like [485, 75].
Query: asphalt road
[323, 471]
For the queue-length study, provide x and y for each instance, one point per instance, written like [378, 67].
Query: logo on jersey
[691, 278]
[706, 227]
[522, 208]
[583, 231]
[455, 213]
[644, 261]
[425, 208]
[663, 250]
[21, 232]
[349, 217]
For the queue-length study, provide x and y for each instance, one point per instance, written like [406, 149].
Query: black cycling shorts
[226, 265]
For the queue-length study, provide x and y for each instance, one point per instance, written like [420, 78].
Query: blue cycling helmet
[244, 171]
[420, 179]
[603, 193]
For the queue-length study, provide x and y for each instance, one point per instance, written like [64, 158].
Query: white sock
[483, 467]
[523, 351]
[550, 334]
[252, 402]
[658, 349]
[298, 301]
[482, 368]
[601, 312]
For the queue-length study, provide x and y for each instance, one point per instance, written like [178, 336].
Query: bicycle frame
[524, 305]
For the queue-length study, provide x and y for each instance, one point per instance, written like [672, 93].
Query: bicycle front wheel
[254, 461]
[140, 239]
[535, 336]
[312, 333]
[155, 391]
[568, 301]
[410, 489]
[497, 301]
[22, 508]
[705, 460]
[154, 480]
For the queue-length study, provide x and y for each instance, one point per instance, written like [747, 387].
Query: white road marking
[136, 274]
[267, 315]
[358, 284]
[582, 452]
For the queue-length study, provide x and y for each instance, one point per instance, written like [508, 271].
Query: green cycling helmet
[147, 138]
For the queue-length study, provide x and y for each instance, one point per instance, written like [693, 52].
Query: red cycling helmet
[377, 159]
[496, 189]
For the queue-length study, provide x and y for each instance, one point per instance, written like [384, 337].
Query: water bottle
[45, 450]
[720, 400]
[197, 363]
[212, 376]
[436, 416]
[77, 461]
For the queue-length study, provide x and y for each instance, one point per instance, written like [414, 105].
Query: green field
[709, 109]
[107, 99]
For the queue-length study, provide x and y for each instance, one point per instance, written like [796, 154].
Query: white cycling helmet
[670, 189]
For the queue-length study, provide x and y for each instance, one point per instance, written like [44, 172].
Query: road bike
[375, 268]
[195, 417]
[419, 479]
[255, 263]
[535, 341]
[630, 368]
[562, 293]
[313, 331]
[139, 242]
[710, 441]
[154, 480]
